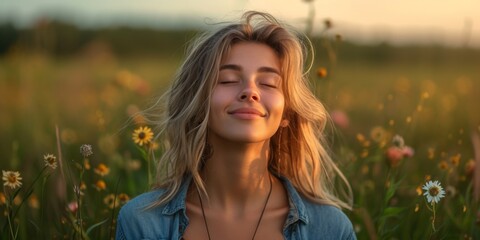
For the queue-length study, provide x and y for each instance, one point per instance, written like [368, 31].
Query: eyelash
[226, 82]
[269, 85]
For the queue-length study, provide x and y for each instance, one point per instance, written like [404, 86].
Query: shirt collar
[297, 207]
[178, 202]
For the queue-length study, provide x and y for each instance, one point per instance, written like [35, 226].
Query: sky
[445, 22]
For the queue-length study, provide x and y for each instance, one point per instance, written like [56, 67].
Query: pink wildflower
[340, 119]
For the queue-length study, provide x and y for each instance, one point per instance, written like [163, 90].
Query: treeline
[63, 39]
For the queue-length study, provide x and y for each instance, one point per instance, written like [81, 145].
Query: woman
[245, 155]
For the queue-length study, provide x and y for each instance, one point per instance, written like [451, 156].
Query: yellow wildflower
[123, 198]
[378, 134]
[102, 169]
[419, 190]
[322, 72]
[3, 199]
[360, 137]
[33, 201]
[455, 160]
[111, 201]
[142, 136]
[443, 165]
[100, 185]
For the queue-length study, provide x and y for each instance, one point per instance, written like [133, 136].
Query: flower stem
[9, 215]
[433, 218]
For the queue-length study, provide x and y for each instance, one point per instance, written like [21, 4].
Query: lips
[247, 112]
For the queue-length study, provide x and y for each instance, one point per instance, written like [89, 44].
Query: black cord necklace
[259, 219]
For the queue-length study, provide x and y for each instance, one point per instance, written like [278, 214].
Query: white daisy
[11, 179]
[433, 191]
[50, 161]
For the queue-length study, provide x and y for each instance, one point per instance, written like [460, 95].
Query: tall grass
[373, 93]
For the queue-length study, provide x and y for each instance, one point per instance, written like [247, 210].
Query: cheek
[218, 102]
[278, 105]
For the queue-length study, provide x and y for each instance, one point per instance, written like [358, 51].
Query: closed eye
[269, 85]
[227, 82]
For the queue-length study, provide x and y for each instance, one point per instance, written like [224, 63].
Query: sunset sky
[445, 22]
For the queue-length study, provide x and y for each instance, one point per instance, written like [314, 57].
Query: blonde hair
[297, 150]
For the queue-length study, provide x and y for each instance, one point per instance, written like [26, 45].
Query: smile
[246, 113]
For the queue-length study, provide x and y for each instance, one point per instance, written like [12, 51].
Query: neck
[236, 176]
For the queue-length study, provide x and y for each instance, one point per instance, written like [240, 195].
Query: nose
[249, 93]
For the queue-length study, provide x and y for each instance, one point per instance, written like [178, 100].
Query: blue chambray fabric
[305, 220]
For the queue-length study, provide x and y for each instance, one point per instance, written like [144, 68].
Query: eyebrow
[239, 68]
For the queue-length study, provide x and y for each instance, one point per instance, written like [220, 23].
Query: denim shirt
[305, 220]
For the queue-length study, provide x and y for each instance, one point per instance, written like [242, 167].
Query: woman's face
[247, 102]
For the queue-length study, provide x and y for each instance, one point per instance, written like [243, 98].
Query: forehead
[251, 55]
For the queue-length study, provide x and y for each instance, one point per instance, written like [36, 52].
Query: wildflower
[102, 169]
[433, 191]
[378, 134]
[86, 164]
[455, 160]
[364, 153]
[398, 151]
[73, 206]
[33, 201]
[451, 190]
[86, 150]
[408, 119]
[394, 155]
[408, 151]
[443, 165]
[322, 72]
[11, 179]
[77, 191]
[419, 190]
[50, 161]
[17, 200]
[340, 119]
[470, 167]
[360, 137]
[142, 135]
[154, 146]
[123, 198]
[100, 185]
[3, 199]
[111, 201]
[417, 207]
[366, 144]
[398, 141]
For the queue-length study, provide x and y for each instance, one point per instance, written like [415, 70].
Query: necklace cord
[259, 219]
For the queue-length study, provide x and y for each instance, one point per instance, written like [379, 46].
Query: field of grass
[55, 103]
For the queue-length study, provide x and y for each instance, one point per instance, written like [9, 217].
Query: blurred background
[408, 67]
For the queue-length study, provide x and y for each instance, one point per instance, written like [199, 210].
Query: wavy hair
[297, 151]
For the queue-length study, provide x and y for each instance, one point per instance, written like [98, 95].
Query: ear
[284, 123]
